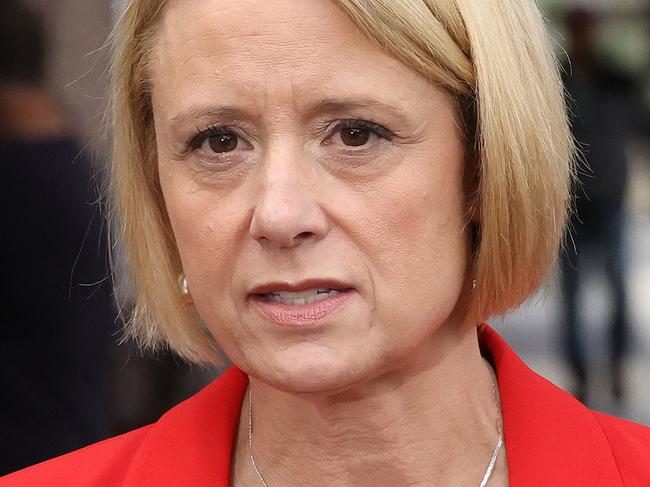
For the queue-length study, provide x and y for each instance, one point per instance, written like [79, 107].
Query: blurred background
[588, 331]
[67, 381]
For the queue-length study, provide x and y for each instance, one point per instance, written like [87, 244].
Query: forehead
[297, 48]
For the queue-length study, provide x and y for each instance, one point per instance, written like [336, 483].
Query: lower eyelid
[225, 158]
[208, 163]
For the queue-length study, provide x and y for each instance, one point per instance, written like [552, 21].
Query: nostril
[303, 236]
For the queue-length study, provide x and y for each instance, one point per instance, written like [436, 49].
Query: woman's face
[315, 189]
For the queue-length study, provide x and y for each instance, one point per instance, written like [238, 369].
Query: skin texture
[391, 387]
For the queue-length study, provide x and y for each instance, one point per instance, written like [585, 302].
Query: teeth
[301, 298]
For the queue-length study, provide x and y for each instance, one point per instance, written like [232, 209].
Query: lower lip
[301, 315]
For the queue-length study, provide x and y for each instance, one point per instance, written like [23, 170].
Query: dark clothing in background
[600, 230]
[606, 112]
[57, 315]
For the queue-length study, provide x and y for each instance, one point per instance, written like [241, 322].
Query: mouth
[309, 290]
[304, 303]
[300, 298]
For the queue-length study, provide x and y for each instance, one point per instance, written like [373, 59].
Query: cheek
[204, 230]
[426, 236]
[418, 227]
[415, 240]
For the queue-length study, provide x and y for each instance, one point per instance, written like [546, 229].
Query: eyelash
[197, 140]
[379, 130]
[201, 135]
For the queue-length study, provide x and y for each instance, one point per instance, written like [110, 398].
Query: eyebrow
[329, 105]
[332, 105]
[222, 113]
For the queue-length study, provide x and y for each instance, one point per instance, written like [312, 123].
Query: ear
[186, 296]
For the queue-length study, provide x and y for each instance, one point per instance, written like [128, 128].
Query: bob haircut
[493, 56]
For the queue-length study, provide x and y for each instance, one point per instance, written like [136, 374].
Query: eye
[358, 133]
[224, 140]
[217, 142]
[355, 136]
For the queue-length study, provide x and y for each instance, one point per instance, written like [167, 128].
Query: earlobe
[186, 297]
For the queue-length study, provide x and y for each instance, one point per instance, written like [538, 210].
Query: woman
[344, 190]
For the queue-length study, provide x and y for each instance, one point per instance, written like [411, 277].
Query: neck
[430, 421]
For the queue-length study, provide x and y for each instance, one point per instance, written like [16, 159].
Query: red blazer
[551, 440]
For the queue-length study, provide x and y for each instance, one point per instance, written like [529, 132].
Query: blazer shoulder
[630, 445]
[101, 464]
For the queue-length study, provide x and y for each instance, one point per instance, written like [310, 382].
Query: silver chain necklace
[484, 482]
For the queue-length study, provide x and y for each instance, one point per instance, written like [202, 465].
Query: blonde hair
[494, 56]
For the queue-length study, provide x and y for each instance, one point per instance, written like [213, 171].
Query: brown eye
[355, 136]
[223, 142]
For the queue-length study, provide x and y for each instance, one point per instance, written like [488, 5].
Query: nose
[288, 211]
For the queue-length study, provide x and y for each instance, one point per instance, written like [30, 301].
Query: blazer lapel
[191, 445]
[551, 438]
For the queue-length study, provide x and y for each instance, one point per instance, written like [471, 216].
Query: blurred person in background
[57, 313]
[607, 112]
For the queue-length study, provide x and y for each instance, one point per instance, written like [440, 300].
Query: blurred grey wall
[77, 67]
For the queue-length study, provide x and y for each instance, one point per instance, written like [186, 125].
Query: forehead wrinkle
[205, 26]
[200, 61]
[200, 27]
[290, 75]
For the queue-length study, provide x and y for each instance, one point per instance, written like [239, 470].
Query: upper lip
[299, 286]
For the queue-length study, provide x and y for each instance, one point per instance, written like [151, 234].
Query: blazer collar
[192, 443]
[550, 438]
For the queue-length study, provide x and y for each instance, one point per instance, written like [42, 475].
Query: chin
[312, 369]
